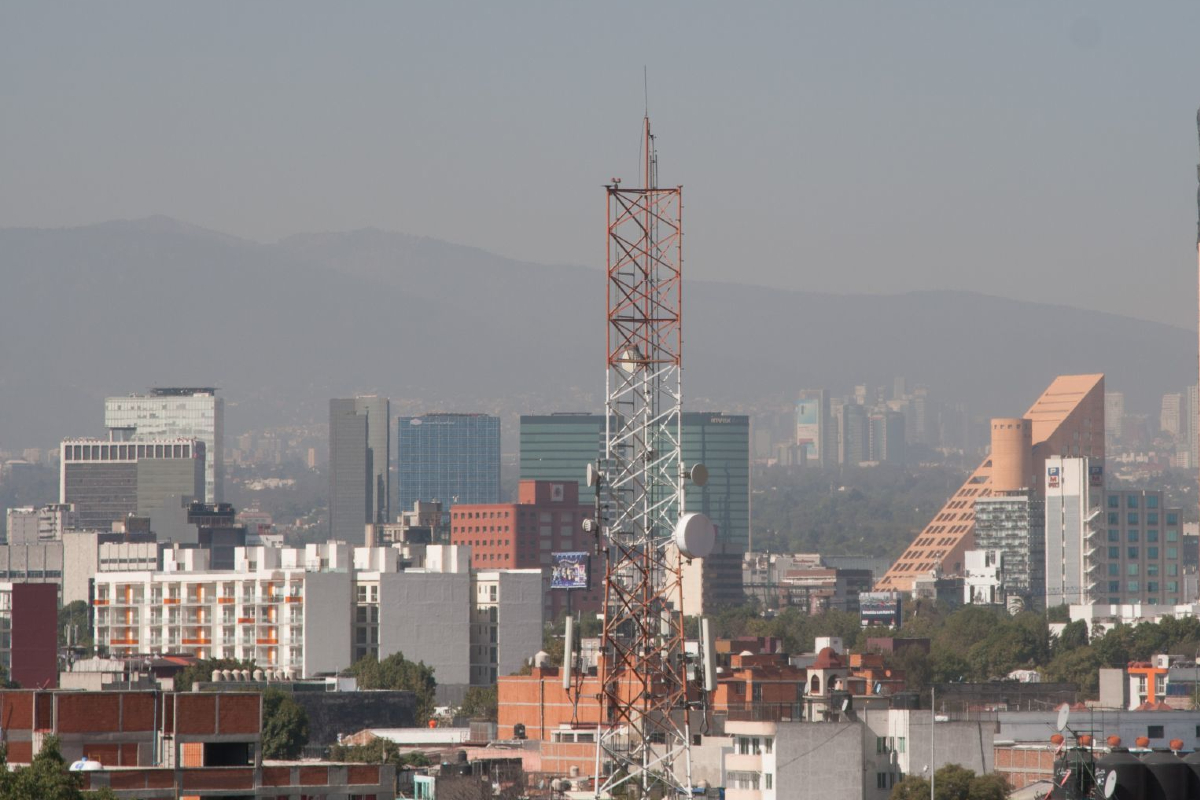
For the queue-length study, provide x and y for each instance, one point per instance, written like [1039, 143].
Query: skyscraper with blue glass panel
[452, 458]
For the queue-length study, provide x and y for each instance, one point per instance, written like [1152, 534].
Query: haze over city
[533, 401]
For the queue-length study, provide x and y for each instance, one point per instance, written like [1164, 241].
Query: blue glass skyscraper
[452, 458]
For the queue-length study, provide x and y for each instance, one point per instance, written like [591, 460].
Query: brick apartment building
[155, 745]
[547, 518]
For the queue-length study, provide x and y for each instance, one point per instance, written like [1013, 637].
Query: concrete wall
[519, 622]
[426, 616]
[819, 761]
[331, 713]
[328, 605]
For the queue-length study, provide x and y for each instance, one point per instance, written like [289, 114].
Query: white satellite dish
[593, 476]
[1064, 716]
[698, 474]
[695, 536]
[86, 764]
[1110, 784]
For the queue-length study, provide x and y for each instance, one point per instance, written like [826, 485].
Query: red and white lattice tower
[643, 745]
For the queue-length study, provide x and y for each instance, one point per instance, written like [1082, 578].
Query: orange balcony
[122, 641]
[99, 602]
[246, 620]
[226, 600]
[294, 599]
[170, 601]
[197, 641]
[266, 641]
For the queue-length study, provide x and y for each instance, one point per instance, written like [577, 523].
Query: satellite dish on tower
[593, 475]
[698, 474]
[695, 535]
[1064, 716]
[1110, 784]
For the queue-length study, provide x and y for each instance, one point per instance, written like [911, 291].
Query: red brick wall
[35, 635]
[238, 713]
[197, 714]
[90, 712]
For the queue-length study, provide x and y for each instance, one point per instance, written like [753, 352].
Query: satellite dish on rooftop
[1064, 716]
[1110, 784]
[695, 535]
[86, 764]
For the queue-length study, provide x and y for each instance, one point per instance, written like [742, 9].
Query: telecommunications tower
[643, 743]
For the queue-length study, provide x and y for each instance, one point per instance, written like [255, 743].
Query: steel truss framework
[644, 742]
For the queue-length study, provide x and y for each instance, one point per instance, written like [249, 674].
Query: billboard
[880, 608]
[570, 571]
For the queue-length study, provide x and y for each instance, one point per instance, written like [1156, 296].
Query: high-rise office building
[887, 438]
[109, 481]
[359, 450]
[1192, 425]
[853, 444]
[814, 428]
[1074, 490]
[1114, 414]
[452, 458]
[721, 442]
[1171, 415]
[175, 413]
[560, 446]
[1068, 419]
[1143, 549]
[1013, 523]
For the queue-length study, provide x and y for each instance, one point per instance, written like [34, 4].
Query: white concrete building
[860, 757]
[352, 602]
[1075, 542]
[984, 581]
[31, 525]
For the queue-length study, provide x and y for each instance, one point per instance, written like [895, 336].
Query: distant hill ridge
[120, 306]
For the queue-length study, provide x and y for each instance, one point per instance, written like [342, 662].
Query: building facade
[1074, 490]
[175, 413]
[107, 481]
[30, 524]
[1143, 550]
[1067, 420]
[558, 447]
[1013, 523]
[814, 428]
[451, 458]
[359, 460]
[547, 518]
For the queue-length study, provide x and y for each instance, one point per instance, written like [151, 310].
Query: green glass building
[559, 447]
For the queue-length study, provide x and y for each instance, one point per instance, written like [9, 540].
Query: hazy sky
[1042, 150]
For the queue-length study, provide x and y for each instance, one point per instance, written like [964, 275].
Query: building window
[1132, 518]
[1172, 518]
[1114, 586]
[1133, 553]
[1133, 587]
[1114, 553]
[1152, 536]
[880, 780]
[1114, 501]
[1172, 553]
[1151, 517]
[900, 744]
[1154, 731]
[1172, 536]
[1131, 501]
[1114, 569]
[1114, 518]
[1151, 501]
[1132, 569]
[1152, 553]
[1152, 586]
[1133, 535]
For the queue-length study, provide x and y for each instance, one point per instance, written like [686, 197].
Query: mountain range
[118, 307]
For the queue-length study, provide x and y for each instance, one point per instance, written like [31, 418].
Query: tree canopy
[397, 672]
[285, 726]
[952, 782]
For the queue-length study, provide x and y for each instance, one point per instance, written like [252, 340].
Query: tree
[398, 673]
[988, 787]
[910, 788]
[201, 671]
[378, 751]
[46, 778]
[75, 619]
[1073, 636]
[953, 782]
[285, 726]
[480, 702]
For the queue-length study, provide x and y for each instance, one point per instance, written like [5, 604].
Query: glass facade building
[1014, 523]
[1143, 544]
[451, 458]
[175, 413]
[559, 447]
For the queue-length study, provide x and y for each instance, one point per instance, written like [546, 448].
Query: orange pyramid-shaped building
[1067, 420]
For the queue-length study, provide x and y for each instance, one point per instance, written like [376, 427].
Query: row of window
[1114, 535]
[1132, 501]
[1135, 587]
[1133, 553]
[1133, 570]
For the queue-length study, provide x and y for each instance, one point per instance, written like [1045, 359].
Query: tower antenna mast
[644, 738]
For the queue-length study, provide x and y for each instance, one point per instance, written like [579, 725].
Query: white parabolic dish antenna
[1110, 784]
[1064, 716]
[695, 536]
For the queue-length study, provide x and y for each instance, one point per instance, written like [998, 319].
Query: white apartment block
[31, 525]
[319, 609]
